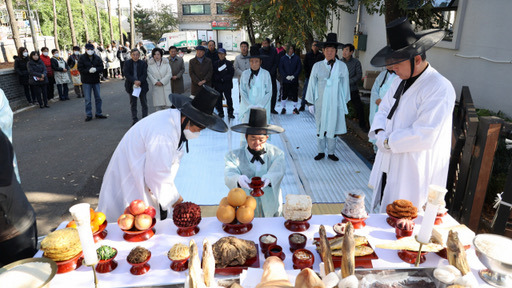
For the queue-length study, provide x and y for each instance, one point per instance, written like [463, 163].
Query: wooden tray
[254, 262]
[361, 261]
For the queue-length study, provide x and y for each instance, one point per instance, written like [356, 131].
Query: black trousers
[49, 87]
[290, 92]
[143, 104]
[227, 94]
[274, 93]
[37, 90]
[26, 89]
[20, 247]
[355, 99]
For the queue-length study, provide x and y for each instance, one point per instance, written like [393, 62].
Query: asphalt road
[62, 158]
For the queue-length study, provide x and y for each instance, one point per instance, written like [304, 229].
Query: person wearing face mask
[159, 78]
[148, 156]
[60, 70]
[46, 58]
[38, 79]
[20, 66]
[255, 86]
[75, 74]
[258, 159]
[90, 66]
[328, 92]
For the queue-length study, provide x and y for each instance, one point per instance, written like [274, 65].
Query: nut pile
[186, 214]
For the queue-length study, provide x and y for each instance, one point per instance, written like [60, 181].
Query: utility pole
[110, 21]
[32, 28]
[120, 26]
[14, 25]
[99, 21]
[71, 23]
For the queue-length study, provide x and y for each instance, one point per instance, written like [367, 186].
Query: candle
[427, 224]
[81, 215]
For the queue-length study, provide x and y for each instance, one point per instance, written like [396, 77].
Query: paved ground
[62, 159]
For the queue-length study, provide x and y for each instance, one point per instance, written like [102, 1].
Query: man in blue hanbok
[255, 87]
[328, 92]
[258, 159]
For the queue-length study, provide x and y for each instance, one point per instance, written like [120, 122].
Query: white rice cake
[299, 202]
[440, 234]
[295, 215]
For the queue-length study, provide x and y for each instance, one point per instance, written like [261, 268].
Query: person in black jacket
[223, 73]
[311, 58]
[211, 52]
[90, 65]
[20, 66]
[270, 64]
[289, 68]
[136, 74]
[60, 73]
[38, 79]
[18, 229]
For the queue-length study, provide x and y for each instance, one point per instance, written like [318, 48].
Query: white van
[184, 40]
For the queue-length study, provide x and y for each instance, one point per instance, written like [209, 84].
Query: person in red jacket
[46, 58]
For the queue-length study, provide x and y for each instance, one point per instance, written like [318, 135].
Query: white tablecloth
[376, 230]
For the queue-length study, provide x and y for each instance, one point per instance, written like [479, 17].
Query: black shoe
[46, 106]
[231, 116]
[274, 112]
[302, 108]
[101, 117]
[283, 111]
[333, 157]
[319, 156]
[41, 106]
[221, 115]
[88, 119]
[295, 111]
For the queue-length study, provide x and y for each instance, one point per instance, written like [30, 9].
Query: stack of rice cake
[61, 245]
[297, 207]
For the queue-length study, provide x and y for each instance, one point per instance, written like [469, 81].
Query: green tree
[45, 10]
[153, 23]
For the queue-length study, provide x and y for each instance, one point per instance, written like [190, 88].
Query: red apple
[150, 211]
[143, 222]
[137, 207]
[127, 210]
[125, 221]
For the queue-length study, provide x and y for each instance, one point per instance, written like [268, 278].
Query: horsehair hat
[200, 108]
[404, 43]
[257, 124]
[330, 41]
[254, 52]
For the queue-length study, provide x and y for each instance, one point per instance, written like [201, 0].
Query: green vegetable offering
[105, 252]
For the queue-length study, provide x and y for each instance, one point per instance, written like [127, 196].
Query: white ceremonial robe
[419, 136]
[329, 91]
[379, 89]
[238, 162]
[258, 95]
[144, 166]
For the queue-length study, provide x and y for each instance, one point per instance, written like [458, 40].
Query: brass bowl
[52, 263]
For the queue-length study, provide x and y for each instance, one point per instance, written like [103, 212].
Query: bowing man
[147, 159]
[255, 86]
[258, 159]
[413, 127]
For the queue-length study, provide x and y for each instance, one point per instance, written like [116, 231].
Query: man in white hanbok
[147, 159]
[328, 92]
[255, 87]
[413, 126]
[258, 159]
[379, 89]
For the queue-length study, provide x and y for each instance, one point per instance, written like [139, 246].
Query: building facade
[211, 22]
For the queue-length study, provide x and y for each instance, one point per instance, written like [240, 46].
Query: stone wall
[12, 88]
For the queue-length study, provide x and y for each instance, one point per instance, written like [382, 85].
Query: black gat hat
[257, 124]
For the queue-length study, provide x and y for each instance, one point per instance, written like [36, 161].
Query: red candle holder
[256, 185]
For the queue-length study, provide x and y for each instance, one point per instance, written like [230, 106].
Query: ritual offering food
[274, 274]
[404, 228]
[297, 207]
[194, 276]
[302, 258]
[402, 209]
[208, 264]
[354, 207]
[339, 228]
[236, 211]
[186, 217]
[410, 244]
[137, 216]
[106, 255]
[138, 255]
[336, 245]
[297, 241]
[61, 245]
[231, 251]
[179, 252]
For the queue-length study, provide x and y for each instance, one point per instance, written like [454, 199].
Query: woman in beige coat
[159, 78]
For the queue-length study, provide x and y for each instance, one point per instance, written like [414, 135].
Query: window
[196, 9]
[221, 8]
